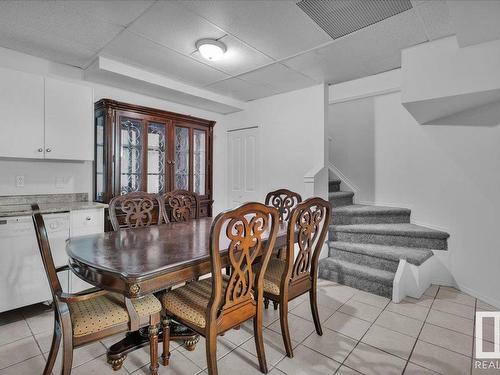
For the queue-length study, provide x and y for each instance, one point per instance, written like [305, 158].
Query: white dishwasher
[22, 275]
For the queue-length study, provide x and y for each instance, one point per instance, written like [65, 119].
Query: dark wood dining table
[142, 261]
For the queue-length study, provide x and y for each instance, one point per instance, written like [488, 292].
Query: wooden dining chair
[93, 314]
[284, 201]
[297, 274]
[214, 305]
[138, 209]
[181, 205]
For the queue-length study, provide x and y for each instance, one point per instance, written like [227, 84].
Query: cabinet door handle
[48, 149]
[40, 149]
[88, 218]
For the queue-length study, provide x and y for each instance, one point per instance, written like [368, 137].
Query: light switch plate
[19, 181]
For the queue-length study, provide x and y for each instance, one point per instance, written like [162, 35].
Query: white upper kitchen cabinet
[21, 111]
[69, 118]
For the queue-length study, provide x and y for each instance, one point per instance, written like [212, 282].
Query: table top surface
[143, 252]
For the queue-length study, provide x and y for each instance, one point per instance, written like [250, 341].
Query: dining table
[142, 261]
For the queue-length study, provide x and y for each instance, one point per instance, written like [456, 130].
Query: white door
[21, 111]
[244, 166]
[69, 121]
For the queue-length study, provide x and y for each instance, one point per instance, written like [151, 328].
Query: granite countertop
[20, 205]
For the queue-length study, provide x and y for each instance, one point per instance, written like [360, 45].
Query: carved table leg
[190, 343]
[153, 349]
[116, 363]
[165, 357]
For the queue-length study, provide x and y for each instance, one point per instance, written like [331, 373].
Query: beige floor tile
[399, 323]
[409, 309]
[424, 300]
[371, 299]
[239, 362]
[432, 291]
[452, 340]
[18, 351]
[33, 365]
[274, 347]
[450, 321]
[483, 306]
[295, 302]
[347, 325]
[331, 296]
[82, 355]
[179, 365]
[389, 341]
[299, 327]
[239, 336]
[452, 295]
[361, 310]
[439, 359]
[304, 311]
[465, 311]
[307, 362]
[199, 356]
[372, 361]
[97, 366]
[413, 369]
[332, 344]
[269, 316]
[44, 340]
[344, 370]
[275, 371]
[39, 318]
[324, 282]
[13, 331]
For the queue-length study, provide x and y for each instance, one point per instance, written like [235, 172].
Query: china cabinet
[144, 149]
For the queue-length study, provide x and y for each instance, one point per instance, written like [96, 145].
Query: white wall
[447, 175]
[292, 132]
[40, 176]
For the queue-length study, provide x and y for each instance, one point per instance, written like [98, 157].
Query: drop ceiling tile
[55, 19]
[240, 89]
[108, 11]
[174, 26]
[239, 58]
[278, 76]
[131, 48]
[277, 28]
[436, 19]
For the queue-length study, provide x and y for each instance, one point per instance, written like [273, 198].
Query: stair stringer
[412, 281]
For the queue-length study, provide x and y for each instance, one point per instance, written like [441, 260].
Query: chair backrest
[248, 233]
[138, 209]
[308, 227]
[45, 252]
[284, 200]
[181, 205]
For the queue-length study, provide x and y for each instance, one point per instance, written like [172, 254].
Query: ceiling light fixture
[211, 49]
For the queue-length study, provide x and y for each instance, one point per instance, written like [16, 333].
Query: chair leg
[54, 348]
[285, 332]
[314, 308]
[166, 341]
[67, 360]
[275, 305]
[259, 343]
[211, 350]
[266, 303]
[153, 348]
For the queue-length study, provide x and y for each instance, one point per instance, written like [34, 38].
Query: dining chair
[137, 209]
[91, 315]
[297, 274]
[214, 305]
[181, 205]
[284, 201]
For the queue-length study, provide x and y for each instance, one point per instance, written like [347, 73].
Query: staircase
[367, 242]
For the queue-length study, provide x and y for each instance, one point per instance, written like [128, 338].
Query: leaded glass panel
[181, 178]
[99, 163]
[199, 160]
[131, 155]
[156, 157]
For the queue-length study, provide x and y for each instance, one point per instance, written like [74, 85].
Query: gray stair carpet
[367, 242]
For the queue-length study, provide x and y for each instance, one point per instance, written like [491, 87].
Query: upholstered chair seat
[273, 275]
[103, 312]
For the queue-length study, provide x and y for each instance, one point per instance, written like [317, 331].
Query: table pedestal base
[135, 340]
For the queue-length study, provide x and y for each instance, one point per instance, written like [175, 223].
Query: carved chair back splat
[134, 210]
[181, 205]
[284, 200]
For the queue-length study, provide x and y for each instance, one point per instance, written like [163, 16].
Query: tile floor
[362, 334]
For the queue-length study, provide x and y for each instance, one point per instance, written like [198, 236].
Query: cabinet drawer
[87, 222]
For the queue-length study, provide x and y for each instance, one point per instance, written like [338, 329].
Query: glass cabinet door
[199, 161]
[157, 151]
[100, 166]
[181, 158]
[131, 155]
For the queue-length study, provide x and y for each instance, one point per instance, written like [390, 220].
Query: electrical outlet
[19, 181]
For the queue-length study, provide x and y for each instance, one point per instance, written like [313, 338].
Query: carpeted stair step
[363, 214]
[357, 276]
[408, 235]
[378, 256]
[340, 198]
[334, 185]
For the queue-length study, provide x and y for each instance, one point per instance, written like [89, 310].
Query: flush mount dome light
[211, 49]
